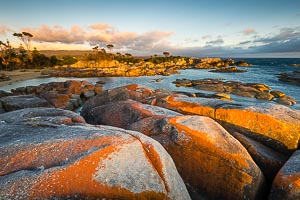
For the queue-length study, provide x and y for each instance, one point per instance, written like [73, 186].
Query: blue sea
[264, 70]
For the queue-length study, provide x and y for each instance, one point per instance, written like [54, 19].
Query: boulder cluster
[67, 95]
[134, 142]
[215, 63]
[251, 90]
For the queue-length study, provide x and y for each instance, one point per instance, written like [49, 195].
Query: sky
[225, 28]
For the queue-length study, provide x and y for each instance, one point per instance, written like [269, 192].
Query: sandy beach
[19, 75]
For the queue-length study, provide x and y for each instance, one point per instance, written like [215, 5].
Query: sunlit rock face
[275, 125]
[54, 154]
[204, 153]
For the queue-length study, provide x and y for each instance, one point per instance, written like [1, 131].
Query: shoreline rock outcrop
[217, 63]
[68, 95]
[222, 149]
[250, 90]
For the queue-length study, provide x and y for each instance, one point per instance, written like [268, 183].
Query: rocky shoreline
[136, 142]
[143, 68]
[225, 88]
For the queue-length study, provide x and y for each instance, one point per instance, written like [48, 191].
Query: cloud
[99, 34]
[248, 31]
[284, 35]
[4, 30]
[206, 37]
[75, 35]
[284, 40]
[245, 42]
[292, 45]
[215, 42]
[101, 26]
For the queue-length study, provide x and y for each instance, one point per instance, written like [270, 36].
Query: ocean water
[264, 70]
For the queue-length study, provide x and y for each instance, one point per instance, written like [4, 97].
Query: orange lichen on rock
[207, 156]
[45, 154]
[77, 179]
[188, 107]
[275, 125]
[259, 125]
[43, 159]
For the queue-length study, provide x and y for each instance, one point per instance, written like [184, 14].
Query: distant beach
[19, 75]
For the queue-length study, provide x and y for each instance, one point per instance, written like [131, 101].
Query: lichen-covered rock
[123, 113]
[55, 155]
[275, 125]
[204, 153]
[287, 182]
[11, 103]
[59, 94]
[212, 163]
[134, 92]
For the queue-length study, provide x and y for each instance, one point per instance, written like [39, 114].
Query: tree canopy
[25, 37]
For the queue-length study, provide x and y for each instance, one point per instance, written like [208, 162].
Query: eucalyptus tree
[166, 54]
[110, 46]
[25, 37]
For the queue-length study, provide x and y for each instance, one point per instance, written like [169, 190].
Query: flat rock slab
[11, 103]
[53, 154]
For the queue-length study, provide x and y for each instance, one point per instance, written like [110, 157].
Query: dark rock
[293, 77]
[123, 113]
[11, 103]
[135, 92]
[286, 100]
[4, 94]
[183, 82]
[268, 160]
[228, 70]
[251, 90]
